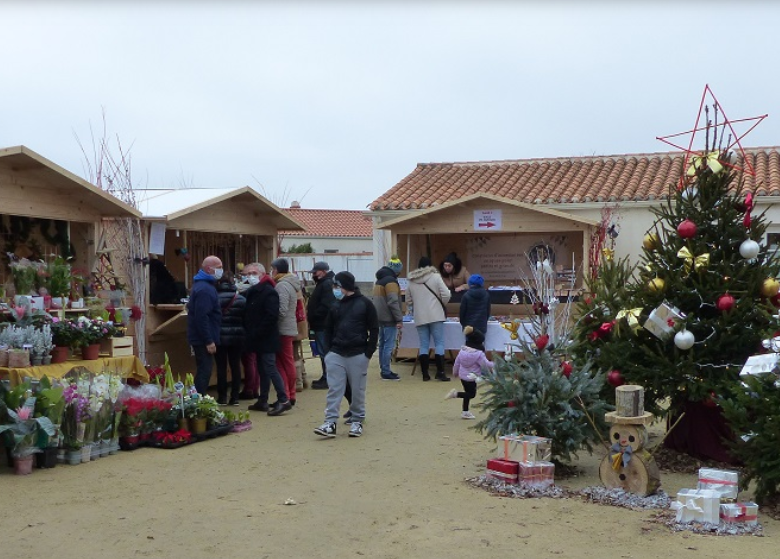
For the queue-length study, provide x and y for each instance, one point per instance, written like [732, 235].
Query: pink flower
[24, 413]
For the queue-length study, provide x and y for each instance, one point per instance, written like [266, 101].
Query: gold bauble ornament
[650, 242]
[656, 285]
[770, 287]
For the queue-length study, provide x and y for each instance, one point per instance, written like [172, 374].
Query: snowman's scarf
[621, 456]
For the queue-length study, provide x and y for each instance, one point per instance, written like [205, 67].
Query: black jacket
[320, 303]
[203, 314]
[475, 308]
[352, 327]
[233, 304]
[261, 317]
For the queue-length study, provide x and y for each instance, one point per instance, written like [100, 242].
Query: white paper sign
[487, 220]
[157, 238]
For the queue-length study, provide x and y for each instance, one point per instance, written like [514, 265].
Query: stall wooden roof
[240, 210]
[33, 186]
[527, 217]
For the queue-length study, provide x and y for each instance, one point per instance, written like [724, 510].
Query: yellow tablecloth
[130, 367]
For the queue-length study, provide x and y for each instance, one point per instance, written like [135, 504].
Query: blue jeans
[387, 336]
[425, 331]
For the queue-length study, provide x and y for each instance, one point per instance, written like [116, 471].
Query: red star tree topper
[725, 137]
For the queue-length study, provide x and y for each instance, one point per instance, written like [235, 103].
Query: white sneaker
[451, 394]
[467, 415]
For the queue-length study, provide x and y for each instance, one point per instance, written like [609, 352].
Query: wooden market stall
[47, 211]
[499, 239]
[183, 227]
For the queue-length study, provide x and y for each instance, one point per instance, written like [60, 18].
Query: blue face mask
[338, 293]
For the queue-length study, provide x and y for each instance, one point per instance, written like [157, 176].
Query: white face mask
[252, 280]
[218, 273]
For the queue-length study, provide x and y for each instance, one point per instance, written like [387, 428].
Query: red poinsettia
[606, 327]
[136, 312]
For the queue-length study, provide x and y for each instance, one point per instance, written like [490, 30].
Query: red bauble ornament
[775, 300]
[511, 404]
[711, 401]
[725, 302]
[566, 369]
[614, 378]
[542, 341]
[687, 229]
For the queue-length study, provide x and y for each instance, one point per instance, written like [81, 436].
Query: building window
[331, 250]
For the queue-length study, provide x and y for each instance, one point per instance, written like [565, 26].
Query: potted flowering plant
[24, 274]
[91, 332]
[25, 431]
[58, 279]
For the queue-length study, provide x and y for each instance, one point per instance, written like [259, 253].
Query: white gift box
[739, 513]
[760, 364]
[36, 303]
[662, 320]
[523, 448]
[725, 482]
[697, 505]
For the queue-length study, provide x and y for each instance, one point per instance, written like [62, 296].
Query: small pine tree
[534, 396]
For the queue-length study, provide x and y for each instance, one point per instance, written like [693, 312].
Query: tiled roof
[632, 177]
[331, 223]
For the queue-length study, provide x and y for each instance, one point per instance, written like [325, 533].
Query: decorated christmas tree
[703, 293]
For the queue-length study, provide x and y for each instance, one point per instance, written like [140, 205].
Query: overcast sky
[332, 103]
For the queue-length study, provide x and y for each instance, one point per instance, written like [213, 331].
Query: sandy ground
[397, 492]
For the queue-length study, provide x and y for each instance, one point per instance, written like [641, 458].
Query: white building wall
[323, 244]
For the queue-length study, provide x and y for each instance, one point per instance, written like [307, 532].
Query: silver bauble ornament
[684, 340]
[749, 249]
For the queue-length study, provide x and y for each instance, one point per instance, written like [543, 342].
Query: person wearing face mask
[261, 327]
[351, 334]
[204, 318]
[320, 302]
[288, 286]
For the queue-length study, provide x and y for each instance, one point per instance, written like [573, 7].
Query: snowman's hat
[630, 404]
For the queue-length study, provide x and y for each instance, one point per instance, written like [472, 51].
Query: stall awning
[458, 216]
[33, 186]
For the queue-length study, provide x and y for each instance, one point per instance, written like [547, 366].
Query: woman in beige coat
[426, 295]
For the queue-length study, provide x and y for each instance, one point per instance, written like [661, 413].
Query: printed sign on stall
[487, 220]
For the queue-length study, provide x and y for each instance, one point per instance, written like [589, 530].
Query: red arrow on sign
[487, 224]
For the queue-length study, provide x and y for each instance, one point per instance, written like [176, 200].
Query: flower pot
[36, 360]
[46, 360]
[3, 356]
[197, 425]
[86, 452]
[73, 456]
[90, 352]
[60, 354]
[47, 458]
[94, 452]
[18, 358]
[23, 465]
[105, 446]
[183, 423]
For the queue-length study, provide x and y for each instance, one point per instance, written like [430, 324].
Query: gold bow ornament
[512, 327]
[631, 316]
[696, 262]
[700, 161]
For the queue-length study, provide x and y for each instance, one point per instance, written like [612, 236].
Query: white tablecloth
[496, 338]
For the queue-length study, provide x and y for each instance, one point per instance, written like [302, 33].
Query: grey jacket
[289, 289]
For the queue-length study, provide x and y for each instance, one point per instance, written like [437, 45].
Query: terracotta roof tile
[331, 223]
[631, 177]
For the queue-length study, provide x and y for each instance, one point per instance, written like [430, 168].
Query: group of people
[254, 322]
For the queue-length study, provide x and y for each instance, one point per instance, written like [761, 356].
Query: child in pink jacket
[468, 367]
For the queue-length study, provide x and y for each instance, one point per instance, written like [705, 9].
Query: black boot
[424, 362]
[440, 374]
[321, 383]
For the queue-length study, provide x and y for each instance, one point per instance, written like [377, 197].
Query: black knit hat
[345, 280]
[424, 262]
[281, 265]
[474, 338]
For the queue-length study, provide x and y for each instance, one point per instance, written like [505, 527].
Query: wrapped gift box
[725, 482]
[739, 513]
[537, 474]
[662, 321]
[502, 470]
[523, 448]
[697, 505]
[761, 364]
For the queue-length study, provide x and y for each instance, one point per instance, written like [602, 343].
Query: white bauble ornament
[749, 249]
[684, 340]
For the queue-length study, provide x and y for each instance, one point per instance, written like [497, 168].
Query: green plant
[50, 401]
[59, 277]
[28, 434]
[535, 396]
[65, 334]
[304, 248]
[24, 275]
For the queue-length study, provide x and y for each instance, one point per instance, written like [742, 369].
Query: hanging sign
[487, 220]
[157, 238]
